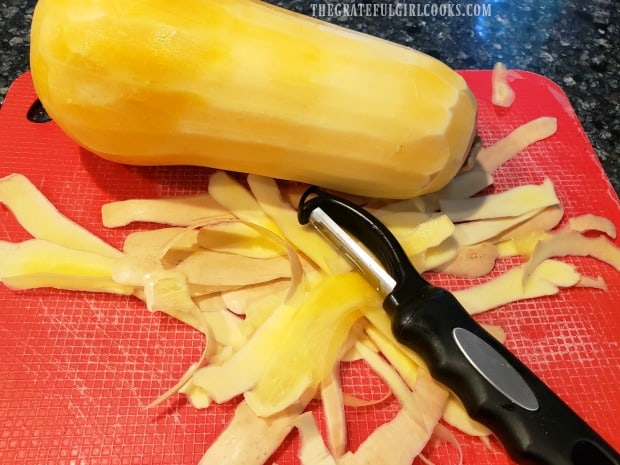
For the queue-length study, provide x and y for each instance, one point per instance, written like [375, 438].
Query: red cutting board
[76, 369]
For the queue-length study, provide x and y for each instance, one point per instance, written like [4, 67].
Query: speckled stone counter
[574, 43]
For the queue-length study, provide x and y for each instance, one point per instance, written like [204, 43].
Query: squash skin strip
[249, 439]
[391, 377]
[511, 202]
[173, 211]
[235, 198]
[332, 400]
[593, 282]
[590, 222]
[307, 240]
[492, 157]
[296, 268]
[444, 434]
[502, 94]
[312, 450]
[206, 267]
[572, 243]
[295, 265]
[417, 236]
[36, 263]
[437, 256]
[177, 303]
[386, 444]
[472, 261]
[406, 367]
[546, 280]
[473, 232]
[543, 221]
[237, 238]
[222, 382]
[174, 238]
[68, 283]
[36, 214]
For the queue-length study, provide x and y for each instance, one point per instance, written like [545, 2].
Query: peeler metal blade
[355, 252]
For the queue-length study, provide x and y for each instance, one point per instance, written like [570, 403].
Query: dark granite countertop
[572, 42]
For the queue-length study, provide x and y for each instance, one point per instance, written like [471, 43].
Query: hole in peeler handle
[37, 114]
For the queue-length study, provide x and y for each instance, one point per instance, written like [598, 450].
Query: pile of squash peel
[281, 310]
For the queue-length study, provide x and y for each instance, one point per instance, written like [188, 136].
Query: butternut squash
[245, 86]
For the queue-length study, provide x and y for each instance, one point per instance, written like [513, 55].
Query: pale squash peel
[332, 399]
[178, 211]
[502, 94]
[40, 218]
[39, 263]
[492, 157]
[572, 243]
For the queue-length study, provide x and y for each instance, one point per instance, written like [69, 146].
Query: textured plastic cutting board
[77, 369]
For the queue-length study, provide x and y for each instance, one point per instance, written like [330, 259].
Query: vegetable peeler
[534, 425]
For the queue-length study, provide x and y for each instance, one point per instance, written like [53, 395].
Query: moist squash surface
[245, 86]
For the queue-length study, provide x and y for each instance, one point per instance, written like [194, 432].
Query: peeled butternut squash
[245, 86]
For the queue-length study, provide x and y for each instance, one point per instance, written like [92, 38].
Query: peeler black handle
[532, 422]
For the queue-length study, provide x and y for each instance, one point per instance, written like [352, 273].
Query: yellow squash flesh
[245, 86]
